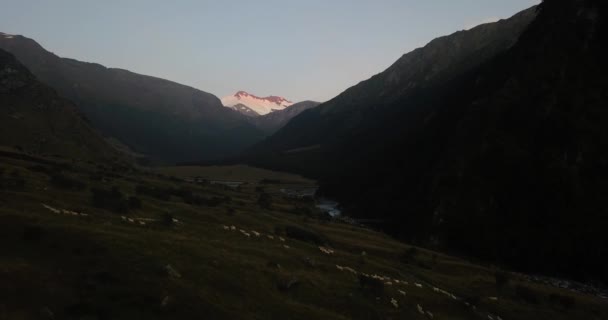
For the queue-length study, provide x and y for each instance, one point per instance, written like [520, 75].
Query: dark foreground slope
[506, 161]
[159, 118]
[110, 249]
[35, 120]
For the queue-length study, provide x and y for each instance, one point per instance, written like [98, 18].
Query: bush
[60, 180]
[40, 169]
[33, 233]
[166, 219]
[134, 203]
[371, 285]
[112, 200]
[265, 201]
[14, 181]
[409, 256]
[502, 279]
[527, 294]
[305, 235]
[565, 302]
[154, 192]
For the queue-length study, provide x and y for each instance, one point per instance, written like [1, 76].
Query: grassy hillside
[96, 242]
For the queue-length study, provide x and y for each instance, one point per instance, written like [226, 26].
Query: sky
[298, 49]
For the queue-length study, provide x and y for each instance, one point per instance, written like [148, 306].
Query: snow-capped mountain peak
[260, 105]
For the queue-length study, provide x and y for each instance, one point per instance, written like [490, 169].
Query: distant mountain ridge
[260, 105]
[162, 119]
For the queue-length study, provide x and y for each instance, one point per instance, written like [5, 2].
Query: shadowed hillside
[503, 158]
[34, 119]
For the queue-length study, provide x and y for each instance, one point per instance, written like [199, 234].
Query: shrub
[502, 279]
[371, 285]
[134, 203]
[305, 235]
[112, 200]
[409, 256]
[60, 180]
[527, 294]
[265, 201]
[154, 192]
[33, 233]
[14, 181]
[565, 302]
[166, 219]
[40, 168]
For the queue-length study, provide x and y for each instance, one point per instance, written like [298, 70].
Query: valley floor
[87, 241]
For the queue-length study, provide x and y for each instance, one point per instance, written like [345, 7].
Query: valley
[462, 179]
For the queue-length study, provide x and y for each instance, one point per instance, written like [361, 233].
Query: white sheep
[326, 250]
[341, 268]
[351, 270]
[418, 285]
[388, 283]
[51, 208]
[282, 239]
[142, 223]
[233, 228]
[270, 237]
[403, 293]
[226, 227]
[395, 303]
[286, 246]
[429, 314]
[255, 233]
[420, 310]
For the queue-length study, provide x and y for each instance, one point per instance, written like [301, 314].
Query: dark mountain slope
[34, 119]
[507, 161]
[322, 129]
[153, 116]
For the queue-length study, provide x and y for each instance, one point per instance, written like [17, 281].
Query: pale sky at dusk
[303, 50]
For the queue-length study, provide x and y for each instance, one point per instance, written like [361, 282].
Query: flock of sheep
[387, 281]
[64, 211]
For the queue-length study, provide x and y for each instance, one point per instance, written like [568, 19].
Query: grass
[101, 267]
